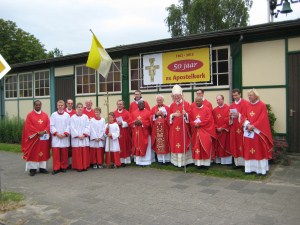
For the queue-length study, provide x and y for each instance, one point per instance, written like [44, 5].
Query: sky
[66, 24]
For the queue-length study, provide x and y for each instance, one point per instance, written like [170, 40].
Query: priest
[236, 111]
[160, 130]
[203, 133]
[221, 120]
[35, 140]
[141, 139]
[179, 132]
[258, 141]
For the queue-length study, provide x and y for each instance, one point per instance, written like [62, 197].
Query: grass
[10, 200]
[10, 147]
[215, 170]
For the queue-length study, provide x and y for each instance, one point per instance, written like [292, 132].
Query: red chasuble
[236, 132]
[125, 133]
[202, 136]
[259, 147]
[221, 119]
[160, 132]
[33, 148]
[177, 132]
[140, 133]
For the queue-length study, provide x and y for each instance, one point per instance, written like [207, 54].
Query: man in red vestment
[237, 108]
[179, 132]
[200, 93]
[258, 141]
[87, 110]
[137, 97]
[203, 133]
[221, 119]
[160, 130]
[35, 140]
[141, 130]
[123, 119]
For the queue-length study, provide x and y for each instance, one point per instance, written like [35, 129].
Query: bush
[11, 130]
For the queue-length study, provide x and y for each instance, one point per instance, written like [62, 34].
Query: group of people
[180, 133]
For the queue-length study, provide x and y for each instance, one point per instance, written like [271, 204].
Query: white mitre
[176, 90]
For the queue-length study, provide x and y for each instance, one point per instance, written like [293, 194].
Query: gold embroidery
[177, 128]
[40, 121]
[178, 145]
[252, 113]
[252, 150]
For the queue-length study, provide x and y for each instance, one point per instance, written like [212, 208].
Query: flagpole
[107, 110]
[183, 122]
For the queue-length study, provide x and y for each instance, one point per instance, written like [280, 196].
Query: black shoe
[44, 171]
[63, 170]
[32, 172]
[55, 172]
[79, 171]
[123, 165]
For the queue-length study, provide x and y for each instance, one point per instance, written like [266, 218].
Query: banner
[186, 66]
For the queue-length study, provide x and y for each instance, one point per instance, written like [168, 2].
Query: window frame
[34, 84]
[111, 70]
[7, 76]
[89, 69]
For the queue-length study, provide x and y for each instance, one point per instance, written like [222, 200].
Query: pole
[183, 128]
[107, 110]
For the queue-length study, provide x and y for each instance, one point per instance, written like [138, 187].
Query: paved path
[148, 196]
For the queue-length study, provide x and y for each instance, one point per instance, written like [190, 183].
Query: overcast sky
[65, 24]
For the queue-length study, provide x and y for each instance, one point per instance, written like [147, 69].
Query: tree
[55, 53]
[199, 16]
[18, 46]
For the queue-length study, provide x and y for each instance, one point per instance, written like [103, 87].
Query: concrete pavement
[133, 195]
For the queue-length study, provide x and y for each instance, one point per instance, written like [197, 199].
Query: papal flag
[98, 58]
[4, 67]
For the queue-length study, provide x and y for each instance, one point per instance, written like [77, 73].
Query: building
[265, 57]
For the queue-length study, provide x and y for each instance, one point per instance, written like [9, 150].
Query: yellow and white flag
[98, 58]
[4, 67]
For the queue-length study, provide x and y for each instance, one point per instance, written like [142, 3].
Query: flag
[4, 67]
[98, 58]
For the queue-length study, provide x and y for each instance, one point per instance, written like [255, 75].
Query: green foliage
[199, 16]
[17, 45]
[272, 118]
[10, 147]
[11, 130]
[54, 53]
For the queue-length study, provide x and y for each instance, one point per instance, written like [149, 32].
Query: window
[41, 83]
[136, 80]
[11, 85]
[85, 80]
[113, 81]
[220, 66]
[25, 85]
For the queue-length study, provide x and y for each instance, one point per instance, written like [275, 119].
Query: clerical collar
[60, 113]
[255, 102]
[200, 107]
[89, 110]
[38, 112]
[141, 109]
[238, 102]
[179, 102]
[97, 118]
[120, 110]
[221, 106]
[137, 101]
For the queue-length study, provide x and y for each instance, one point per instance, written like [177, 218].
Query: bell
[286, 7]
